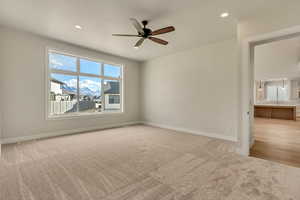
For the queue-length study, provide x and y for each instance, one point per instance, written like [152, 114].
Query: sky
[68, 63]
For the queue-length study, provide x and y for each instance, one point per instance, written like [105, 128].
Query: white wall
[23, 87]
[279, 59]
[194, 90]
[0, 122]
[1, 96]
[0, 131]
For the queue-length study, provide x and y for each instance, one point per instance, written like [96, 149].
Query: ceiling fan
[146, 33]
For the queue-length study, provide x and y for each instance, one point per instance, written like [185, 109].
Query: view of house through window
[82, 86]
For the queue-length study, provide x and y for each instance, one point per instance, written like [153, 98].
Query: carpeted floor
[140, 162]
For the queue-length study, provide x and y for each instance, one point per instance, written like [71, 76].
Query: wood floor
[277, 140]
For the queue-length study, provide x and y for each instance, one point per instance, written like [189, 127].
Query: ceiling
[196, 21]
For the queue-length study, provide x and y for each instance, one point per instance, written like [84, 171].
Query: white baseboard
[194, 132]
[64, 132]
[81, 130]
[243, 152]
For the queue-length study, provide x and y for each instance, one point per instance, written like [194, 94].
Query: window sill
[84, 116]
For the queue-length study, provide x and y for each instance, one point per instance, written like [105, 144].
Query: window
[272, 93]
[276, 93]
[79, 86]
[112, 71]
[282, 94]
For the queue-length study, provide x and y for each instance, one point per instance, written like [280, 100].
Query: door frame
[247, 82]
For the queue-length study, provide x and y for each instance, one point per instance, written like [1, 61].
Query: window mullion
[110, 78]
[58, 71]
[102, 87]
[83, 74]
[78, 92]
[121, 90]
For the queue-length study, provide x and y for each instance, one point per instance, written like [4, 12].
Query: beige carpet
[140, 162]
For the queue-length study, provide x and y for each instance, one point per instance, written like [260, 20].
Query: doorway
[275, 99]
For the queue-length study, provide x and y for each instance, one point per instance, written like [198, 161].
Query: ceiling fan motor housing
[147, 32]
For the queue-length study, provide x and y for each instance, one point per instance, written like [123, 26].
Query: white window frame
[77, 74]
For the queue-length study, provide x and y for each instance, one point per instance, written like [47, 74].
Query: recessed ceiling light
[224, 15]
[78, 27]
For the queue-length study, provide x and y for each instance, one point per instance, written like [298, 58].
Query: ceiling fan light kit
[146, 33]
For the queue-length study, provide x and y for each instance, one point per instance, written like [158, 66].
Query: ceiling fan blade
[159, 41]
[163, 30]
[127, 35]
[137, 26]
[140, 42]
